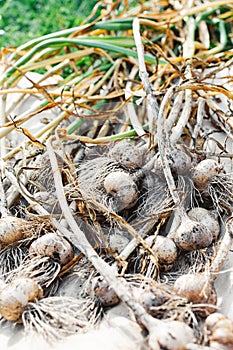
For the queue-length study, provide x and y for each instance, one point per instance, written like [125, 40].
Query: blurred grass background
[23, 20]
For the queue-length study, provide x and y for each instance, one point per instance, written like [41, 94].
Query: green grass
[23, 20]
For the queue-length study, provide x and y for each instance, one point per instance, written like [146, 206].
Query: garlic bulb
[16, 295]
[213, 319]
[12, 229]
[192, 235]
[170, 335]
[219, 331]
[122, 188]
[179, 161]
[53, 246]
[204, 171]
[196, 288]
[105, 295]
[126, 154]
[204, 217]
[164, 248]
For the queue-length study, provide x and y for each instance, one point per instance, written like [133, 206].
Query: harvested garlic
[179, 161]
[53, 246]
[219, 331]
[16, 295]
[126, 154]
[204, 217]
[204, 171]
[198, 289]
[165, 250]
[170, 335]
[12, 229]
[192, 235]
[122, 188]
[105, 295]
[212, 320]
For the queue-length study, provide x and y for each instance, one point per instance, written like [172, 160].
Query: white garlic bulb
[219, 331]
[126, 154]
[179, 161]
[122, 188]
[170, 335]
[204, 217]
[53, 246]
[204, 171]
[16, 295]
[192, 235]
[198, 289]
[165, 250]
[12, 229]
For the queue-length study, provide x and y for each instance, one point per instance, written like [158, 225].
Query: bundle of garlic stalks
[116, 176]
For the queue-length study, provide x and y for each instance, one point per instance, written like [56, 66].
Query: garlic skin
[219, 331]
[204, 171]
[12, 229]
[192, 235]
[126, 154]
[212, 320]
[105, 295]
[204, 217]
[198, 289]
[16, 295]
[53, 246]
[170, 335]
[179, 161]
[164, 248]
[122, 188]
